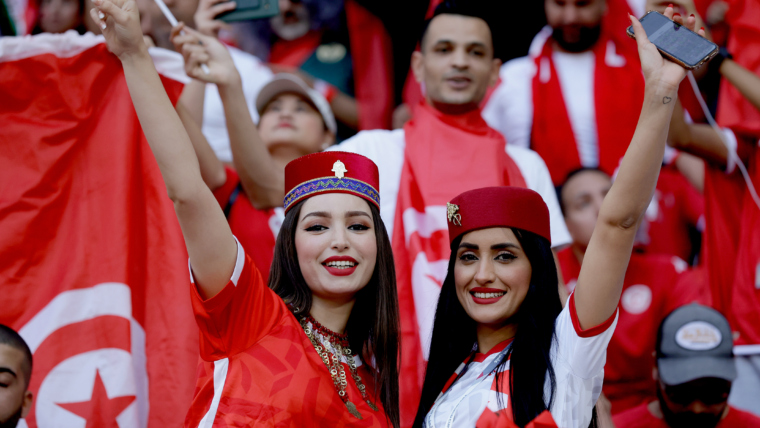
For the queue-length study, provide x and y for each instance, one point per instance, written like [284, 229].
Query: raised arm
[600, 281]
[209, 242]
[263, 183]
[747, 82]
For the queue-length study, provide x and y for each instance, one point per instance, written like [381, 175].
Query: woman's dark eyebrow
[357, 213]
[468, 246]
[323, 214]
[504, 245]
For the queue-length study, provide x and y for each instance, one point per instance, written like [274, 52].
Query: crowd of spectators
[561, 85]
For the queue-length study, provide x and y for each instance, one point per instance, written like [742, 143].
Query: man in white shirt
[572, 99]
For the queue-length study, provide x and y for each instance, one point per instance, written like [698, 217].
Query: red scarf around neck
[445, 155]
[618, 95]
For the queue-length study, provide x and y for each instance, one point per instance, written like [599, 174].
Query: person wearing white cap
[295, 120]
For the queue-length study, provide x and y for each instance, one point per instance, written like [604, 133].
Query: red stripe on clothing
[593, 331]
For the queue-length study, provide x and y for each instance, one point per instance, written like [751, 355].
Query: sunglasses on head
[688, 393]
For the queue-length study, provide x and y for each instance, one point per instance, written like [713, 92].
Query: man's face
[582, 198]
[155, 24]
[456, 63]
[15, 400]
[576, 23]
[700, 403]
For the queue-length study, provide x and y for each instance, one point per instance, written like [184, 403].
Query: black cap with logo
[695, 342]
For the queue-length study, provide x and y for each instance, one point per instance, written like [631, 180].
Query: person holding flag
[502, 341]
[281, 356]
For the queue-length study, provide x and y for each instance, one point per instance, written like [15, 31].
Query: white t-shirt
[386, 149]
[509, 110]
[578, 359]
[254, 75]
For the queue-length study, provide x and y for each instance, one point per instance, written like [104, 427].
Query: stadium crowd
[373, 122]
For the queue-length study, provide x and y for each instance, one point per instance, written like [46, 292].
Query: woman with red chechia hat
[503, 348]
[319, 346]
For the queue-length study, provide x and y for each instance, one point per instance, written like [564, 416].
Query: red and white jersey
[259, 368]
[652, 288]
[577, 356]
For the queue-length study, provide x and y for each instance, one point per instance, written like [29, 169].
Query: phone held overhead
[676, 42]
[251, 9]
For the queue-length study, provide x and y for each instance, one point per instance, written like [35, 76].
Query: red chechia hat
[504, 206]
[331, 172]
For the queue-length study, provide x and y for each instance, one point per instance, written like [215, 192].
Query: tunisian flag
[94, 271]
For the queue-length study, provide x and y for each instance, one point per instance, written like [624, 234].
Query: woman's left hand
[658, 70]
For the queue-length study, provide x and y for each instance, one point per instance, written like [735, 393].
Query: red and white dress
[258, 367]
[578, 358]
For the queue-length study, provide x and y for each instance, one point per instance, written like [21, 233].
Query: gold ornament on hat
[451, 211]
[339, 168]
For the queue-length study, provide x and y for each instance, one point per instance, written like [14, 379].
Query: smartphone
[251, 9]
[676, 42]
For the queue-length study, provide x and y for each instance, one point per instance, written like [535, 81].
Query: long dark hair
[373, 325]
[454, 334]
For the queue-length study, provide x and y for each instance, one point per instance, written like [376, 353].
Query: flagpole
[173, 21]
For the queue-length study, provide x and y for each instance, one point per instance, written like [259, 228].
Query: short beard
[12, 422]
[291, 31]
[687, 419]
[588, 37]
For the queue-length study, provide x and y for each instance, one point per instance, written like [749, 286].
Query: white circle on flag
[698, 336]
[636, 299]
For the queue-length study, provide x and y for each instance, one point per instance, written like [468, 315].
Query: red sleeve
[223, 192]
[240, 315]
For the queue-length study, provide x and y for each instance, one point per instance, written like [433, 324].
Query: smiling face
[15, 400]
[289, 121]
[492, 275]
[456, 63]
[336, 245]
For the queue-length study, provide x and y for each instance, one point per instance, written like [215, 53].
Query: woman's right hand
[197, 50]
[120, 22]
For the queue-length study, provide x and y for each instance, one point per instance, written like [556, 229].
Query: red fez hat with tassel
[331, 172]
[504, 206]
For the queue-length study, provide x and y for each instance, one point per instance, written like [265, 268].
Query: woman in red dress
[319, 346]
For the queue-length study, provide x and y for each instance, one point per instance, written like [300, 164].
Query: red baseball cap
[331, 172]
[504, 206]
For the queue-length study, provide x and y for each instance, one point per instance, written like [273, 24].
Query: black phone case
[671, 57]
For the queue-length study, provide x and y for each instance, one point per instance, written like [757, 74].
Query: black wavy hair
[373, 326]
[454, 334]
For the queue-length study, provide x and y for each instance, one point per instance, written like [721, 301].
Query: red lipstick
[348, 267]
[487, 300]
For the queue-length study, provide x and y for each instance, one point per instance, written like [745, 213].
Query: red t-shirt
[679, 208]
[259, 368]
[651, 290]
[745, 300]
[255, 229]
[641, 417]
